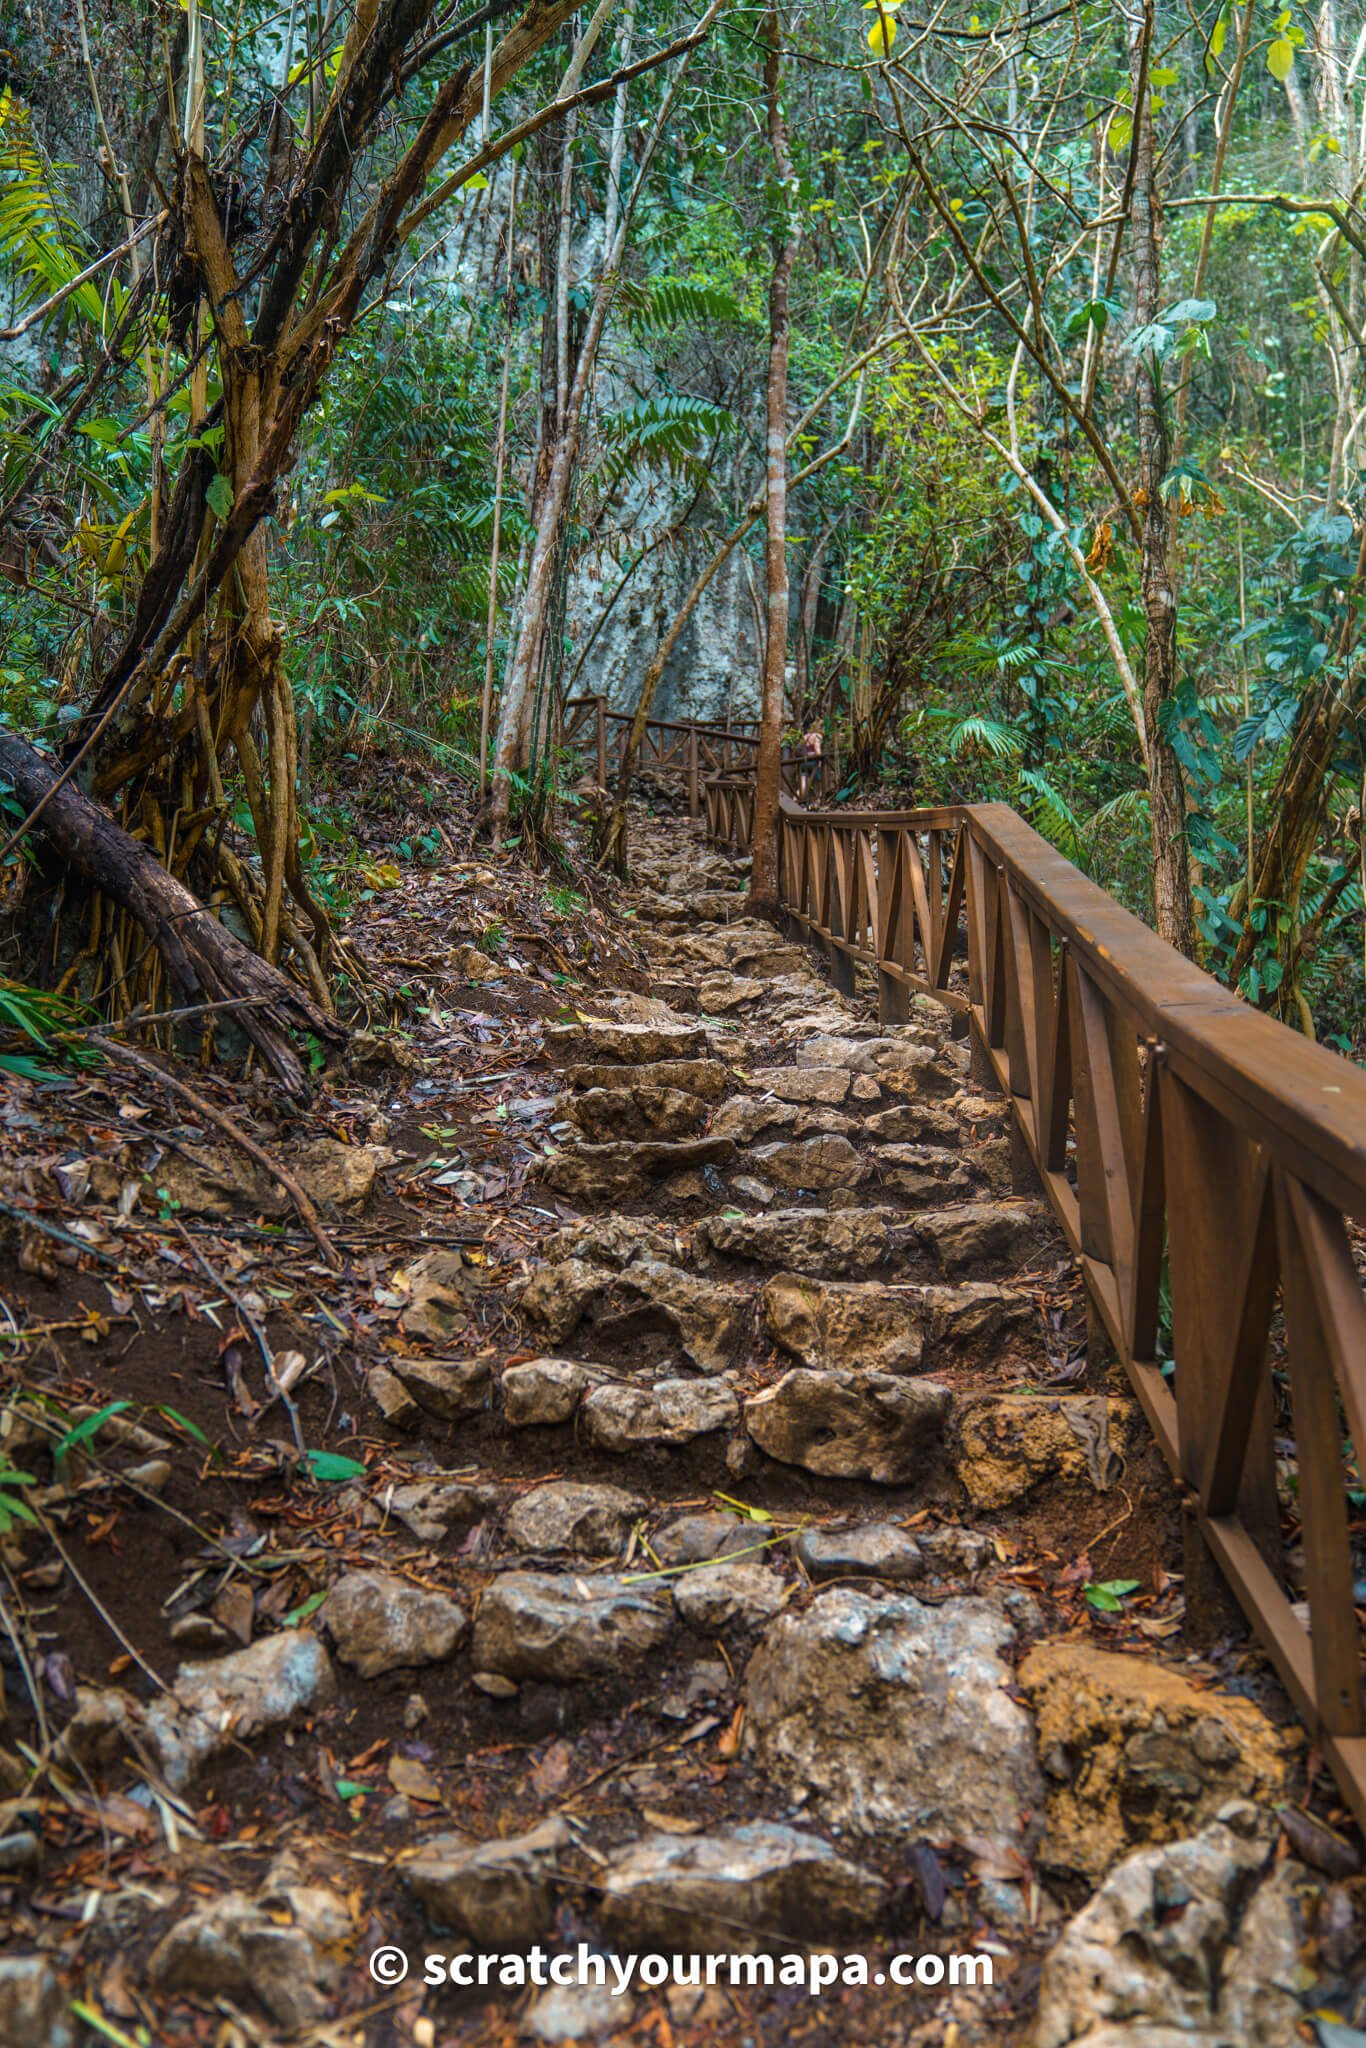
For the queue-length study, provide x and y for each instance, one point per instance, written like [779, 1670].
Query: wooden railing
[691, 749]
[1207, 1164]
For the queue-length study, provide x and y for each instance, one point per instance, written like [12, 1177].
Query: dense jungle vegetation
[1016, 357]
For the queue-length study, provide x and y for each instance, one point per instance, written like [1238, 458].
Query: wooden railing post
[692, 771]
[601, 738]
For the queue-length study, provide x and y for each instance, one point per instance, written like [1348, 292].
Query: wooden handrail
[690, 748]
[1177, 1131]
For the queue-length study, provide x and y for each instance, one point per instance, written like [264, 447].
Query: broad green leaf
[1108, 1595]
[219, 496]
[332, 1468]
[1280, 58]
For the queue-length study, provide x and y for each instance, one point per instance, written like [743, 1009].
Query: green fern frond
[662, 302]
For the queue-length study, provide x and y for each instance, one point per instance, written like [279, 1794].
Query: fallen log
[205, 962]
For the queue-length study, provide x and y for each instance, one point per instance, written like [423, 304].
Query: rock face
[1195, 1937]
[854, 1324]
[896, 1717]
[720, 1596]
[534, 1625]
[850, 1425]
[1134, 1753]
[381, 1623]
[1008, 1444]
[619, 1418]
[844, 1241]
[592, 1520]
[497, 1893]
[726, 1889]
[878, 1550]
[280, 1949]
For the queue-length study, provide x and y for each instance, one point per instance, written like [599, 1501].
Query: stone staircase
[739, 1603]
[801, 1379]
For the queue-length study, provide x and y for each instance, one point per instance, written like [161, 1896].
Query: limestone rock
[606, 1114]
[617, 1418]
[1008, 1444]
[719, 993]
[281, 1949]
[811, 1163]
[340, 1176]
[897, 1717]
[591, 1520]
[874, 1550]
[35, 2007]
[747, 1117]
[844, 1324]
[709, 1321]
[392, 1398]
[742, 1594]
[499, 1894]
[380, 1623]
[712, 1533]
[829, 1085]
[806, 1240]
[914, 1123]
[736, 1885]
[558, 1295]
[979, 1321]
[431, 1508]
[448, 1389]
[438, 1286]
[708, 1078]
[543, 1391]
[850, 1425]
[279, 1679]
[1134, 1753]
[598, 1175]
[612, 1241]
[632, 1043]
[950, 1550]
[578, 2012]
[1197, 1940]
[535, 1625]
[976, 1236]
[203, 1183]
[927, 1173]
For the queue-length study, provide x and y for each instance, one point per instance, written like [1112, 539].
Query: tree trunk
[609, 842]
[205, 963]
[1172, 905]
[763, 886]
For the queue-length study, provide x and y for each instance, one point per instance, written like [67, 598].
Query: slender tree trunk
[763, 888]
[609, 845]
[1172, 905]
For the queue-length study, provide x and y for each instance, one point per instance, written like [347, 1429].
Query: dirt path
[738, 1551]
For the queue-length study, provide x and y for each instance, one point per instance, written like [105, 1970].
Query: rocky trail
[718, 1533]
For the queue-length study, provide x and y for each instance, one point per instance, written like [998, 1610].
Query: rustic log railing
[692, 749]
[1207, 1164]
